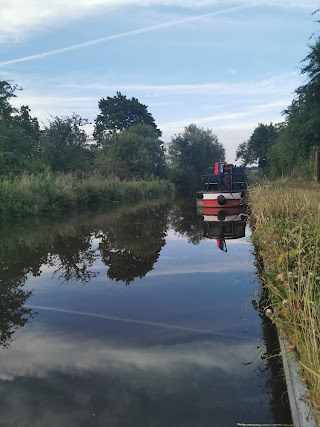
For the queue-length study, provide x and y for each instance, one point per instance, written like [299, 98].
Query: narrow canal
[132, 318]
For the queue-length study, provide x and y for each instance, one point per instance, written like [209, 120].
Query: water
[131, 318]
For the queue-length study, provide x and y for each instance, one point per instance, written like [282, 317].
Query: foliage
[65, 145]
[137, 150]
[286, 234]
[192, 152]
[118, 113]
[19, 136]
[7, 91]
[300, 138]
[255, 150]
[47, 193]
[289, 148]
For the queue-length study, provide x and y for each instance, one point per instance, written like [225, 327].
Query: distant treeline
[288, 148]
[126, 143]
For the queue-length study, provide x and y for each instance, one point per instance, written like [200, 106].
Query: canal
[131, 317]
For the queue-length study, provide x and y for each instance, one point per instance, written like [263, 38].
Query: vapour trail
[127, 320]
[122, 35]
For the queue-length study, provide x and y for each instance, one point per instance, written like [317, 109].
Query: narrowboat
[224, 185]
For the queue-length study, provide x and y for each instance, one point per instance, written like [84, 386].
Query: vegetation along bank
[31, 195]
[287, 236]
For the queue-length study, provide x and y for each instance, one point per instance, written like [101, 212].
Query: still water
[132, 318]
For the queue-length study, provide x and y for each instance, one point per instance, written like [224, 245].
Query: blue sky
[226, 65]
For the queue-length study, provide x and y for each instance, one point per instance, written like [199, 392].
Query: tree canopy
[65, 144]
[118, 113]
[255, 150]
[192, 152]
[288, 148]
[138, 150]
[294, 150]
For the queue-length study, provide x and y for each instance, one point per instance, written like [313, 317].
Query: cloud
[20, 17]
[112, 37]
[277, 84]
[37, 352]
[250, 111]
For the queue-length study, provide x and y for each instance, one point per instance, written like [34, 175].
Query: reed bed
[34, 195]
[286, 232]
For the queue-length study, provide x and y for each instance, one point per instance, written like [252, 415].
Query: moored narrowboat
[225, 186]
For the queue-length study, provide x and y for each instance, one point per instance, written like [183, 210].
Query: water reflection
[223, 223]
[184, 220]
[130, 244]
[169, 350]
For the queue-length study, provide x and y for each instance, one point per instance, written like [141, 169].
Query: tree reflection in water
[130, 244]
[15, 267]
[73, 257]
[183, 218]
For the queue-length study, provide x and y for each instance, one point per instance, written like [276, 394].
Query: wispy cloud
[220, 118]
[122, 35]
[20, 17]
[277, 84]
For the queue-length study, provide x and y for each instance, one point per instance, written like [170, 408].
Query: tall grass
[287, 235]
[32, 195]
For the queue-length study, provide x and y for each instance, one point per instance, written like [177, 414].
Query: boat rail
[224, 183]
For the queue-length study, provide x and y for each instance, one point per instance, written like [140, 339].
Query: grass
[286, 233]
[32, 195]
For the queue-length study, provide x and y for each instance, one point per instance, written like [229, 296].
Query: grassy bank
[54, 194]
[287, 235]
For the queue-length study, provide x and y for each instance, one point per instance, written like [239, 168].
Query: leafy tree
[256, 148]
[118, 113]
[19, 136]
[138, 150]
[294, 149]
[7, 91]
[66, 145]
[192, 152]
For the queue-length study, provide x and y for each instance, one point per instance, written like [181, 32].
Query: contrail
[121, 35]
[127, 320]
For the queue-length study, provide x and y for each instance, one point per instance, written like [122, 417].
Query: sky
[226, 65]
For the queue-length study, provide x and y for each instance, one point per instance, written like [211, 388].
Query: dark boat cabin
[233, 179]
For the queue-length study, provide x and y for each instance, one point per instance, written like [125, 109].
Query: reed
[286, 232]
[34, 195]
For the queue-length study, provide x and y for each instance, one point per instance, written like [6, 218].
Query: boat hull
[225, 200]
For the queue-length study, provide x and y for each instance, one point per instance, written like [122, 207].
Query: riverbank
[287, 236]
[31, 195]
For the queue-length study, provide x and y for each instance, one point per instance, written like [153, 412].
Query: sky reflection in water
[172, 348]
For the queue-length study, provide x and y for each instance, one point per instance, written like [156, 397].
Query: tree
[66, 145]
[138, 149]
[192, 152]
[19, 136]
[118, 113]
[7, 91]
[256, 148]
[293, 150]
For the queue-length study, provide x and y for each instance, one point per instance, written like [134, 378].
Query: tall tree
[293, 151]
[7, 91]
[192, 152]
[138, 150]
[19, 136]
[66, 144]
[118, 113]
[256, 148]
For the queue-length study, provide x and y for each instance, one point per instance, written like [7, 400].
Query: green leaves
[192, 152]
[118, 113]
